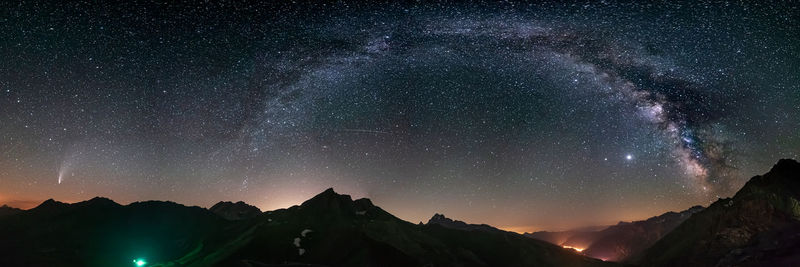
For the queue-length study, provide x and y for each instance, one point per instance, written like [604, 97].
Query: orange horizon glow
[21, 204]
[519, 229]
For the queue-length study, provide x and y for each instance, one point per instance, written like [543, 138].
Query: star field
[523, 116]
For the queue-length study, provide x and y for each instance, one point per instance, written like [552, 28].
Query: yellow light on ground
[577, 249]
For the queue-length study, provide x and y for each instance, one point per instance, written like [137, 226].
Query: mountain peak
[99, 201]
[327, 197]
[50, 203]
[786, 165]
[235, 211]
[339, 206]
[782, 179]
[329, 191]
[439, 219]
[103, 199]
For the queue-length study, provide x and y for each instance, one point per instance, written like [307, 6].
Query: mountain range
[759, 226]
[329, 229]
[617, 242]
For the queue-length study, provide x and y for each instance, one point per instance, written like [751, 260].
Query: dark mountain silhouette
[6, 210]
[334, 230]
[440, 219]
[621, 241]
[329, 229]
[50, 206]
[99, 232]
[235, 211]
[759, 226]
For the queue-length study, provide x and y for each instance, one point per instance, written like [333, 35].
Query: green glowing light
[139, 262]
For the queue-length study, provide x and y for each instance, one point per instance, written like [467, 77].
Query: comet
[62, 172]
[71, 158]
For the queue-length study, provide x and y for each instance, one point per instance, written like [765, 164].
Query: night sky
[523, 116]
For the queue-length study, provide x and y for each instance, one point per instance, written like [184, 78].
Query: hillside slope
[759, 226]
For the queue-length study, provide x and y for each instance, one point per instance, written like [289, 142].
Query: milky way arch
[664, 96]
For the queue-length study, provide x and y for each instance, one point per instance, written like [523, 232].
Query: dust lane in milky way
[524, 116]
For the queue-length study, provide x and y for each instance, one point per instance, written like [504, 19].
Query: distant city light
[570, 247]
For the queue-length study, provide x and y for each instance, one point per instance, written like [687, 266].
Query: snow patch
[729, 204]
[305, 232]
[301, 251]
